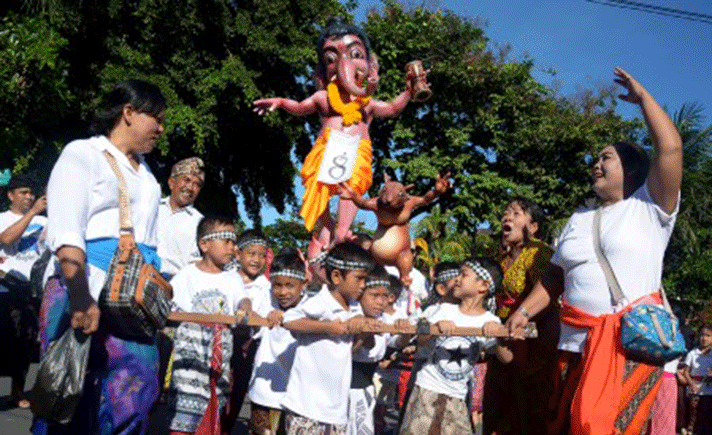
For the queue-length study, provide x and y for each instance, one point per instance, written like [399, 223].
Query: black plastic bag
[60, 378]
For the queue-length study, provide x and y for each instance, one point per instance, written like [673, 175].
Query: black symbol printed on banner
[339, 166]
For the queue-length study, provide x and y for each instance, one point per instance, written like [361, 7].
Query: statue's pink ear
[386, 177]
[409, 187]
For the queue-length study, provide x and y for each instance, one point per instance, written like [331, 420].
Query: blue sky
[583, 41]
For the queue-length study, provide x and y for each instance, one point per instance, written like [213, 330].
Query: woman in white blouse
[599, 390]
[83, 230]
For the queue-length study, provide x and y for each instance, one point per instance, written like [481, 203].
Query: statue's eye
[357, 54]
[401, 195]
[330, 57]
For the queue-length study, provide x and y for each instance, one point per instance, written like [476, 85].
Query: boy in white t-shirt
[368, 350]
[251, 259]
[200, 380]
[275, 353]
[697, 373]
[317, 393]
[443, 378]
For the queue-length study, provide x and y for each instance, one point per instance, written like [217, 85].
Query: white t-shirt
[320, 378]
[634, 235]
[273, 362]
[83, 200]
[196, 291]
[411, 298]
[699, 365]
[19, 257]
[449, 367]
[260, 293]
[177, 236]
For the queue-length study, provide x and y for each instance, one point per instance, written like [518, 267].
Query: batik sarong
[432, 413]
[122, 380]
[296, 424]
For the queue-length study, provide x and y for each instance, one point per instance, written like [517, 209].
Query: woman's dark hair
[144, 97]
[532, 209]
[336, 28]
[635, 162]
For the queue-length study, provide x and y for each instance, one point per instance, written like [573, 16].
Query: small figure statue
[348, 75]
[393, 207]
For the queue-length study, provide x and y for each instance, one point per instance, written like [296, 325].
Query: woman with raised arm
[83, 229]
[600, 391]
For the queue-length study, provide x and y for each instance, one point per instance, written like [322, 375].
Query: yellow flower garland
[350, 112]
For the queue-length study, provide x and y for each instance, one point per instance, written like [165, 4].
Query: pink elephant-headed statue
[347, 74]
[393, 208]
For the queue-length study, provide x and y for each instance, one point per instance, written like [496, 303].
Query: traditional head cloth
[242, 244]
[482, 273]
[340, 264]
[290, 273]
[217, 235]
[191, 165]
[446, 275]
[373, 283]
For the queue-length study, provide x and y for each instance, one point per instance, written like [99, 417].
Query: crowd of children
[314, 369]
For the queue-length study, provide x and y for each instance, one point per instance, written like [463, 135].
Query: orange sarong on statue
[606, 401]
[317, 194]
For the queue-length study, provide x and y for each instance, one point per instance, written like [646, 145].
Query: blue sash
[101, 251]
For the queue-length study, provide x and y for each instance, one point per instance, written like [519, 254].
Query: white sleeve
[68, 195]
[306, 309]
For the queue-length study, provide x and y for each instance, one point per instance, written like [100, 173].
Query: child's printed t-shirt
[700, 364]
[320, 378]
[273, 361]
[448, 368]
[208, 293]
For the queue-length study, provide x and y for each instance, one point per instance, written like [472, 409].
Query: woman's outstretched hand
[635, 89]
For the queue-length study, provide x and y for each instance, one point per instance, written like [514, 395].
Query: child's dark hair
[704, 326]
[395, 287]
[345, 255]
[433, 296]
[288, 259]
[378, 277]
[251, 235]
[208, 223]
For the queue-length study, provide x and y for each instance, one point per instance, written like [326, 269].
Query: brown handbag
[135, 298]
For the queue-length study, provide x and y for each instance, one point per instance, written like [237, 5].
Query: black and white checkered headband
[252, 241]
[447, 275]
[290, 273]
[377, 283]
[218, 235]
[337, 263]
[482, 273]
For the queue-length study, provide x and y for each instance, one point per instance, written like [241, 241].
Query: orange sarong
[317, 194]
[602, 395]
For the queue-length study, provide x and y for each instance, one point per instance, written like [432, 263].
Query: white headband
[446, 275]
[252, 241]
[337, 263]
[377, 283]
[289, 273]
[218, 235]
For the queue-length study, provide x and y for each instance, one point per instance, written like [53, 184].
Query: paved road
[15, 421]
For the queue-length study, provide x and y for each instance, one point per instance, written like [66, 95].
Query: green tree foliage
[211, 58]
[489, 122]
[688, 260]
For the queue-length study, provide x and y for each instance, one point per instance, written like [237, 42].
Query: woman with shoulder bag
[121, 383]
[601, 389]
